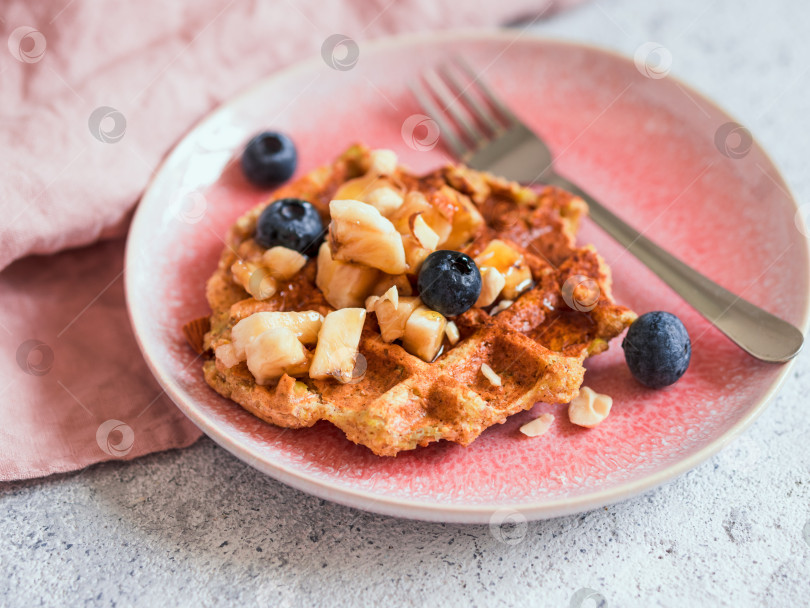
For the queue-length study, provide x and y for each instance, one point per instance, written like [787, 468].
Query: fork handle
[753, 329]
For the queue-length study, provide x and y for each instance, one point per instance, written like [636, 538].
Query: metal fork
[497, 141]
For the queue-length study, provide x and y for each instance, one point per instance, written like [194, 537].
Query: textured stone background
[200, 528]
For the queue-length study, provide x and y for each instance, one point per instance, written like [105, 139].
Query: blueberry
[657, 349]
[291, 223]
[269, 159]
[449, 282]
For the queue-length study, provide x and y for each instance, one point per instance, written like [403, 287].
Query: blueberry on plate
[269, 159]
[291, 223]
[449, 282]
[657, 349]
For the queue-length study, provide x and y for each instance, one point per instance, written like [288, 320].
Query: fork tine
[444, 95]
[456, 145]
[487, 92]
[482, 113]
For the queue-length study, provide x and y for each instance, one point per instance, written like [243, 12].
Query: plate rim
[413, 508]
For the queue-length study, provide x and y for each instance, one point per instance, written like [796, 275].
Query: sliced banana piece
[283, 263]
[424, 333]
[392, 319]
[344, 285]
[338, 340]
[385, 199]
[416, 203]
[510, 263]
[276, 352]
[492, 282]
[304, 325]
[359, 233]
[382, 162]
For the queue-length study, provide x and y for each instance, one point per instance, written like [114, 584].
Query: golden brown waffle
[536, 346]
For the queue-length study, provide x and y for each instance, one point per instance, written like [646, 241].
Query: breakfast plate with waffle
[384, 327]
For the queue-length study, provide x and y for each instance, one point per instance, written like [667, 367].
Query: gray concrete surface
[199, 528]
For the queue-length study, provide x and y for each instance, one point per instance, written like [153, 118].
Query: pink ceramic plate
[650, 148]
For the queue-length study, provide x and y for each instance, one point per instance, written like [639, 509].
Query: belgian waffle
[536, 346]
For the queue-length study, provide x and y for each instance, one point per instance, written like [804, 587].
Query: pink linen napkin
[75, 77]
